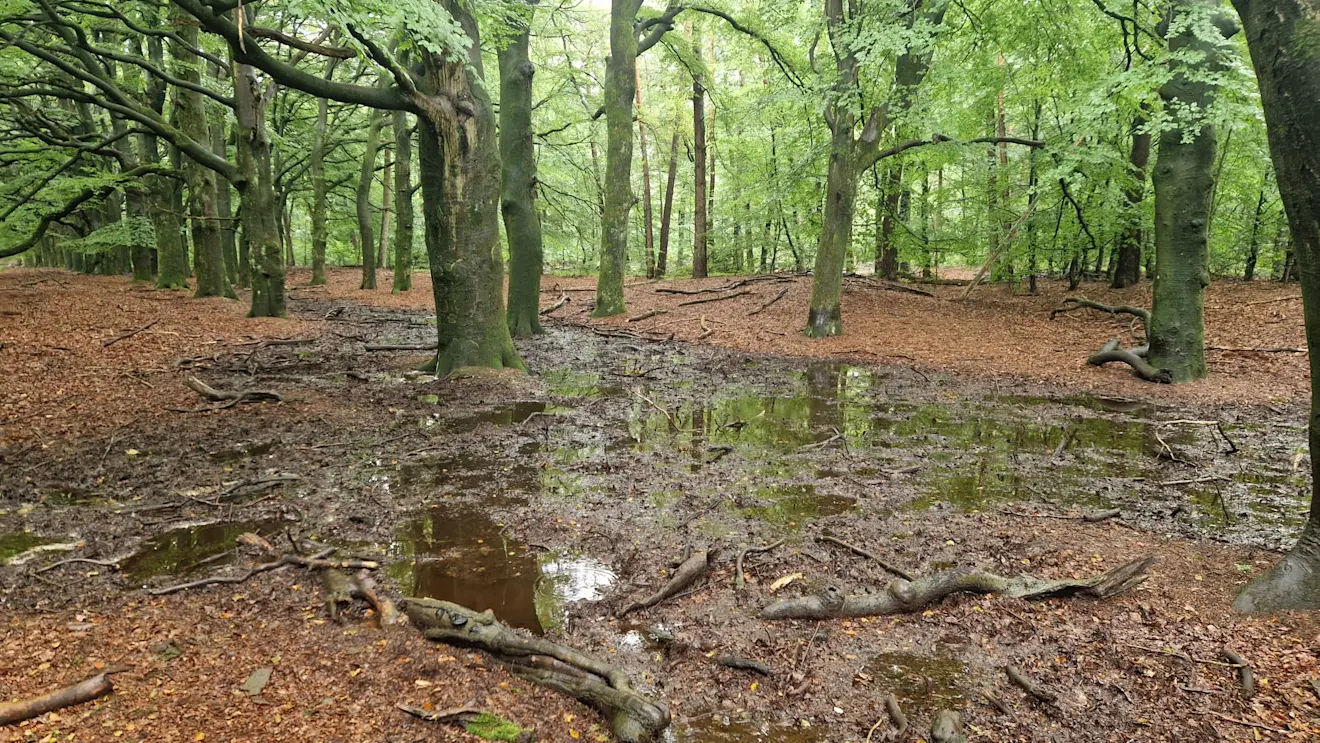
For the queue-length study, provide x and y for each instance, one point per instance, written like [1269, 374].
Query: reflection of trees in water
[462, 556]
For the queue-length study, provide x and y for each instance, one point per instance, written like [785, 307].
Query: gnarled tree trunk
[366, 232]
[259, 203]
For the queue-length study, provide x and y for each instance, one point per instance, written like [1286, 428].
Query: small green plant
[493, 727]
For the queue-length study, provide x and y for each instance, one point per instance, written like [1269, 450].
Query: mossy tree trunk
[620, 90]
[460, 176]
[667, 211]
[259, 203]
[403, 203]
[202, 209]
[319, 190]
[167, 221]
[1284, 39]
[1184, 183]
[225, 209]
[366, 231]
[700, 261]
[518, 197]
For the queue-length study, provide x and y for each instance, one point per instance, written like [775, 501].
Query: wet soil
[554, 499]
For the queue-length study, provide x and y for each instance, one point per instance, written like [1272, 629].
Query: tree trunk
[191, 112]
[459, 165]
[403, 203]
[886, 209]
[225, 207]
[364, 216]
[620, 82]
[1127, 269]
[319, 191]
[1283, 38]
[648, 217]
[518, 198]
[260, 228]
[1253, 245]
[699, 261]
[667, 211]
[824, 317]
[385, 183]
[1184, 180]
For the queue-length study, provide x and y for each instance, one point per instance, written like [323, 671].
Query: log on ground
[12, 713]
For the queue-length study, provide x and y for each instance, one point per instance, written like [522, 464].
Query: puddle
[502, 415]
[180, 551]
[720, 729]
[16, 543]
[572, 383]
[1090, 402]
[920, 682]
[455, 552]
[793, 505]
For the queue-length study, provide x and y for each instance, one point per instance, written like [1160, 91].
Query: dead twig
[1244, 723]
[739, 580]
[454, 714]
[867, 554]
[283, 562]
[648, 315]
[1025, 684]
[103, 563]
[129, 334]
[707, 300]
[563, 300]
[782, 293]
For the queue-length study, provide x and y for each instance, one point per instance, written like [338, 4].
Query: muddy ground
[555, 498]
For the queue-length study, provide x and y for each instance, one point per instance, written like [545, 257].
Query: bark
[166, 219]
[905, 597]
[12, 713]
[385, 183]
[365, 219]
[403, 203]
[1127, 269]
[1253, 245]
[260, 229]
[1184, 182]
[190, 106]
[518, 198]
[648, 216]
[1284, 39]
[824, 316]
[667, 211]
[459, 167]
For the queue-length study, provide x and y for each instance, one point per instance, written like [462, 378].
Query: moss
[493, 727]
[1305, 43]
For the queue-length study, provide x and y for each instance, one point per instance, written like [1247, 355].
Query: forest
[739, 370]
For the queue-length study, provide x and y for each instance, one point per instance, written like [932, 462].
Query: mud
[552, 500]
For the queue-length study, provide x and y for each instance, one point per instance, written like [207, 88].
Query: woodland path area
[558, 498]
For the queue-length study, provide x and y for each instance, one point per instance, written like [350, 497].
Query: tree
[699, 213]
[518, 194]
[1284, 39]
[366, 233]
[1184, 182]
[403, 203]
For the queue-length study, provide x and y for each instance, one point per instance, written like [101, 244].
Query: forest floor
[936, 433]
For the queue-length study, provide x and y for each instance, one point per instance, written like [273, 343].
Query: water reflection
[180, 551]
[456, 552]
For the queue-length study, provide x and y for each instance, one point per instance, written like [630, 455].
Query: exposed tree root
[739, 580]
[902, 597]
[648, 315]
[1245, 677]
[1082, 303]
[688, 573]
[227, 398]
[12, 713]
[314, 561]
[342, 588]
[455, 714]
[1140, 367]
[633, 717]
[1020, 680]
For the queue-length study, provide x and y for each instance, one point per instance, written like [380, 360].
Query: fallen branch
[739, 580]
[1140, 367]
[129, 334]
[228, 398]
[867, 554]
[95, 687]
[1244, 723]
[688, 573]
[706, 329]
[890, 285]
[401, 346]
[563, 300]
[283, 562]
[1025, 684]
[340, 588]
[103, 563]
[782, 293]
[1290, 298]
[648, 315]
[902, 596]
[1245, 677]
[1193, 480]
[455, 714]
[633, 717]
[1096, 517]
[743, 664]
[1236, 349]
[707, 300]
[1082, 303]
